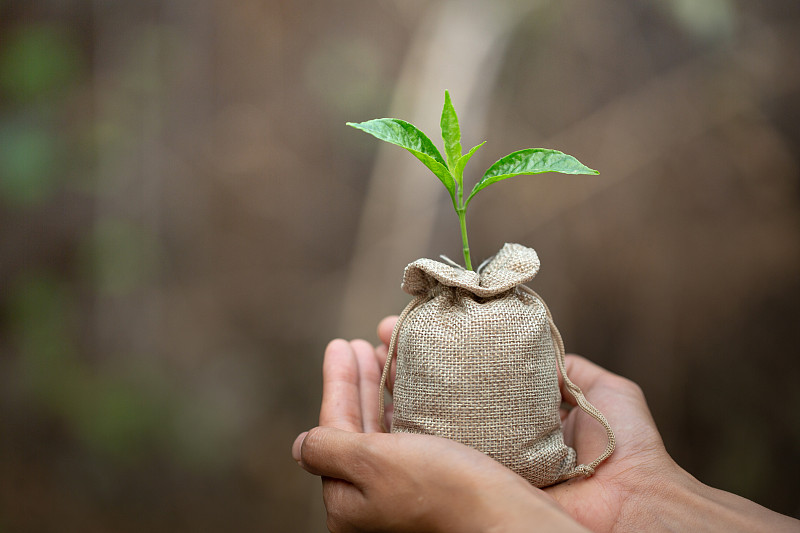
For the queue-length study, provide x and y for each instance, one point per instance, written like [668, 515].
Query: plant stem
[462, 219]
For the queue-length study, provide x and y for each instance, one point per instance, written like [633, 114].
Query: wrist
[528, 509]
[679, 502]
[541, 518]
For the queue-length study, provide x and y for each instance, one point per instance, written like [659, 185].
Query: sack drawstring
[584, 469]
[389, 356]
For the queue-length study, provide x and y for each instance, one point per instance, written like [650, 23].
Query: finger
[385, 328]
[344, 502]
[582, 373]
[369, 373]
[341, 402]
[388, 414]
[600, 387]
[331, 452]
[380, 355]
[296, 445]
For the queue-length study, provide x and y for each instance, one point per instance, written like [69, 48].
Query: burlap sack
[477, 362]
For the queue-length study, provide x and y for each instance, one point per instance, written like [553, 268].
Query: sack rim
[513, 265]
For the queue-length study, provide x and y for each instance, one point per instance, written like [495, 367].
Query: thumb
[331, 452]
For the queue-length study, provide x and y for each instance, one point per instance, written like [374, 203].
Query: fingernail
[298, 443]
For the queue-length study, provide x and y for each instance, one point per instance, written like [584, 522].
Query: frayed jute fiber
[478, 357]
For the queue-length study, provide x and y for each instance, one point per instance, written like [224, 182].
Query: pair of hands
[376, 481]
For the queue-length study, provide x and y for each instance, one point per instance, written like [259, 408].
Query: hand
[629, 479]
[640, 487]
[374, 481]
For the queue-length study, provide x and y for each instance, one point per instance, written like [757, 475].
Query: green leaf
[462, 162]
[408, 136]
[451, 134]
[401, 133]
[530, 161]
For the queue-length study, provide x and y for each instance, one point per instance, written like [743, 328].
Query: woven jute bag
[478, 357]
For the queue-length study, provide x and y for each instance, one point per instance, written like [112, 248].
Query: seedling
[451, 171]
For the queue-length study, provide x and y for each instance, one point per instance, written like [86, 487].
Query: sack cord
[387, 367]
[583, 469]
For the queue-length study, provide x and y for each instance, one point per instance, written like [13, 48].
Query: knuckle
[629, 387]
[368, 451]
[334, 497]
[336, 525]
[332, 524]
[311, 444]
[368, 447]
[335, 344]
[361, 343]
[334, 521]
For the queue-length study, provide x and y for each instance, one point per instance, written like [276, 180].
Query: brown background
[185, 221]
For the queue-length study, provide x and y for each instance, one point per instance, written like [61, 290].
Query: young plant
[451, 171]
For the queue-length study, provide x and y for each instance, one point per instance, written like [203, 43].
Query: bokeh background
[185, 221]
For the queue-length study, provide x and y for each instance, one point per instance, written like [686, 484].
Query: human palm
[639, 462]
[373, 481]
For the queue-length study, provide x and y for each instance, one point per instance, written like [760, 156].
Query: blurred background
[185, 221]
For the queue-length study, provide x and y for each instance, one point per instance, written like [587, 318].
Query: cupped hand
[375, 481]
[640, 465]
